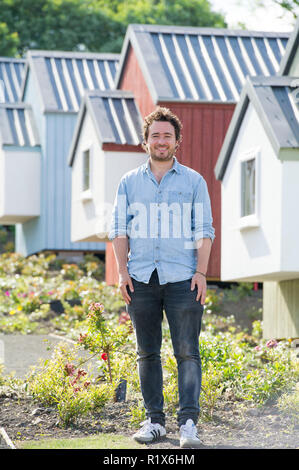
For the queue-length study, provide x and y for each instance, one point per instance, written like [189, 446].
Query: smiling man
[162, 263]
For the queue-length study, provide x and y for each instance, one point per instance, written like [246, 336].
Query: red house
[198, 73]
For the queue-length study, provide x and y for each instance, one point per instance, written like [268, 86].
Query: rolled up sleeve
[202, 220]
[119, 218]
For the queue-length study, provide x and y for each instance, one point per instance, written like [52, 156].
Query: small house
[20, 161]
[106, 144]
[258, 167]
[53, 86]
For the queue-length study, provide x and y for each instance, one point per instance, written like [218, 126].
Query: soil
[233, 425]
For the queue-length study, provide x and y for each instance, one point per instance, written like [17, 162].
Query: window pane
[248, 187]
[86, 156]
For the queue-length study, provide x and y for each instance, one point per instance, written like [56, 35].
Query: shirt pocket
[179, 196]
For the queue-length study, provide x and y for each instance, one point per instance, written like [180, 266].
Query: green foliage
[9, 40]
[288, 403]
[104, 341]
[244, 367]
[62, 383]
[86, 25]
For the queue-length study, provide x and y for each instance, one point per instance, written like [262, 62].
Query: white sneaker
[188, 435]
[149, 432]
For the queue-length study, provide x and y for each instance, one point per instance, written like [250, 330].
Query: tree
[291, 6]
[9, 42]
[56, 24]
[287, 6]
[91, 25]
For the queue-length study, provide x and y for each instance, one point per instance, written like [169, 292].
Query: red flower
[69, 369]
[272, 343]
[104, 356]
[124, 318]
[81, 373]
[82, 337]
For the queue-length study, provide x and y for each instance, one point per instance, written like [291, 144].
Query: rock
[37, 421]
[253, 412]
[36, 411]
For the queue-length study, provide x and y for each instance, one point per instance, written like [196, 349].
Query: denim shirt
[162, 221]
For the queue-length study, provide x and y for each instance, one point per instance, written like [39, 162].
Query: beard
[164, 157]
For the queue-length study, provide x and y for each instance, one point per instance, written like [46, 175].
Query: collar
[175, 167]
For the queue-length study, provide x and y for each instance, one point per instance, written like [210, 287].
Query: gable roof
[11, 78]
[17, 125]
[201, 64]
[63, 77]
[116, 118]
[292, 48]
[274, 101]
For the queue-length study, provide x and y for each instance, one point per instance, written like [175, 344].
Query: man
[162, 216]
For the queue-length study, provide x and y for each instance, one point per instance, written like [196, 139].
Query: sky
[254, 18]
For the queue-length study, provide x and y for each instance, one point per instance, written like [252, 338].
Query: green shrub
[60, 381]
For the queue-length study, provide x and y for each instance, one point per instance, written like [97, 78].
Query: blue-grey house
[52, 87]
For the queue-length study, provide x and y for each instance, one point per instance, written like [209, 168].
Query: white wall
[252, 253]
[20, 185]
[290, 219]
[88, 215]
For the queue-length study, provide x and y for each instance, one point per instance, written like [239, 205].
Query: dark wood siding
[204, 128]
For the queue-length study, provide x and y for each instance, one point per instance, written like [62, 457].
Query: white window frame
[252, 220]
[86, 194]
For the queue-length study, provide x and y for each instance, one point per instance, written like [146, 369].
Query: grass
[99, 441]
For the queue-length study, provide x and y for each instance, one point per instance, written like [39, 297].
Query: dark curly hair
[162, 114]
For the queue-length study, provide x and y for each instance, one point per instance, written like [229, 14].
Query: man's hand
[200, 281]
[125, 280]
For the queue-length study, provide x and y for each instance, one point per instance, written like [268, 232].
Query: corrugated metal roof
[201, 64]
[274, 99]
[64, 76]
[116, 118]
[11, 77]
[17, 125]
[291, 50]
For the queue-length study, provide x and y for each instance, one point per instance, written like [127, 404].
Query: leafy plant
[62, 382]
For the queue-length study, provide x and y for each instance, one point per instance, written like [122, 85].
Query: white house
[20, 161]
[258, 167]
[106, 144]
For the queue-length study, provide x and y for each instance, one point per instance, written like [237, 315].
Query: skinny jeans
[184, 315]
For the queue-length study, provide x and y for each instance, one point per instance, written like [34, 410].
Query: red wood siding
[204, 128]
[132, 80]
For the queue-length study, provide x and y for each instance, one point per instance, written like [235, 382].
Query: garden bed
[249, 396]
[232, 426]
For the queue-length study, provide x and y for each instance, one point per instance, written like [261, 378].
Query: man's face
[161, 142]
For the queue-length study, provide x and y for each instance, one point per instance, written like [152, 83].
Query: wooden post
[281, 309]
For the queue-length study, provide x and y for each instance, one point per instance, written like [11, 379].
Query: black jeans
[184, 316]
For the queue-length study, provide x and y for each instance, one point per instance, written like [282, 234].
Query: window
[86, 170]
[248, 187]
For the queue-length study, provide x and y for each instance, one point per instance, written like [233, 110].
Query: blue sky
[257, 19]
